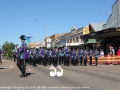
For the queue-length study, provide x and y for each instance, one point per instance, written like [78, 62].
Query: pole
[46, 29]
[45, 26]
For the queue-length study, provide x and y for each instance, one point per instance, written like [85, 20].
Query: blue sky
[18, 17]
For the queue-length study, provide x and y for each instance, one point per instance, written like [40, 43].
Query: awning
[90, 41]
[107, 33]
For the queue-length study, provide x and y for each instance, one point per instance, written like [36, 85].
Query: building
[34, 44]
[61, 41]
[75, 38]
[42, 43]
[114, 19]
[54, 39]
[110, 33]
[93, 42]
[47, 42]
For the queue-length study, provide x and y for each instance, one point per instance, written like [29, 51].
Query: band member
[43, 57]
[37, 56]
[60, 56]
[90, 56]
[81, 56]
[0, 56]
[21, 63]
[63, 52]
[73, 53]
[31, 56]
[54, 57]
[96, 53]
[40, 57]
[28, 56]
[51, 62]
[48, 57]
[17, 54]
[34, 57]
[67, 62]
[85, 57]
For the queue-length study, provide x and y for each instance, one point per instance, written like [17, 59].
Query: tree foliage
[8, 47]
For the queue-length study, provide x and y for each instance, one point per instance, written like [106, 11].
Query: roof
[97, 26]
[91, 41]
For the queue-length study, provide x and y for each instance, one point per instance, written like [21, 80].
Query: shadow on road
[28, 74]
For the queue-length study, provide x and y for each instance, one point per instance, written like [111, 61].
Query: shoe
[22, 76]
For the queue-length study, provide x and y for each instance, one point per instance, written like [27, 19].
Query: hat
[22, 37]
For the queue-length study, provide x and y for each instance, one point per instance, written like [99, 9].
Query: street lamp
[45, 26]
[47, 40]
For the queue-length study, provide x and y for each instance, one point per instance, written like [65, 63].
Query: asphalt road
[101, 77]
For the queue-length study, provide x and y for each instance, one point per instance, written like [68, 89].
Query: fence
[107, 60]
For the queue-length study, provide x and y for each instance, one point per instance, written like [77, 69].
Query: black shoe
[21, 76]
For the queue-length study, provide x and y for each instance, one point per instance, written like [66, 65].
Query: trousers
[21, 63]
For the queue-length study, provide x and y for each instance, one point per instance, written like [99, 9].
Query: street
[101, 77]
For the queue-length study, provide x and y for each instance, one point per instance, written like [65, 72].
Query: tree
[8, 47]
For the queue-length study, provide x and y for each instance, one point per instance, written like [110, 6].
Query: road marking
[109, 75]
[11, 67]
[29, 69]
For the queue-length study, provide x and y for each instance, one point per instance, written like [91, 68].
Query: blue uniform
[23, 50]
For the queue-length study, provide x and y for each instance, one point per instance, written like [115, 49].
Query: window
[76, 39]
[70, 40]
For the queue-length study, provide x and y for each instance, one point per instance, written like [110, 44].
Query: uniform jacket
[23, 50]
[54, 53]
[17, 53]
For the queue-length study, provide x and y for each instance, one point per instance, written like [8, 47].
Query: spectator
[112, 51]
[118, 52]
[101, 53]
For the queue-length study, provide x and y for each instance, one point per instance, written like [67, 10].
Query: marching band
[65, 56]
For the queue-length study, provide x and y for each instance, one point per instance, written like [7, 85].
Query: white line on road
[11, 67]
[29, 69]
[109, 75]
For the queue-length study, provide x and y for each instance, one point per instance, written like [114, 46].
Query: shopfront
[110, 36]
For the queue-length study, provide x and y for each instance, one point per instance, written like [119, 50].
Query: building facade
[114, 19]
[55, 39]
[110, 33]
[75, 37]
[61, 41]
[34, 44]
